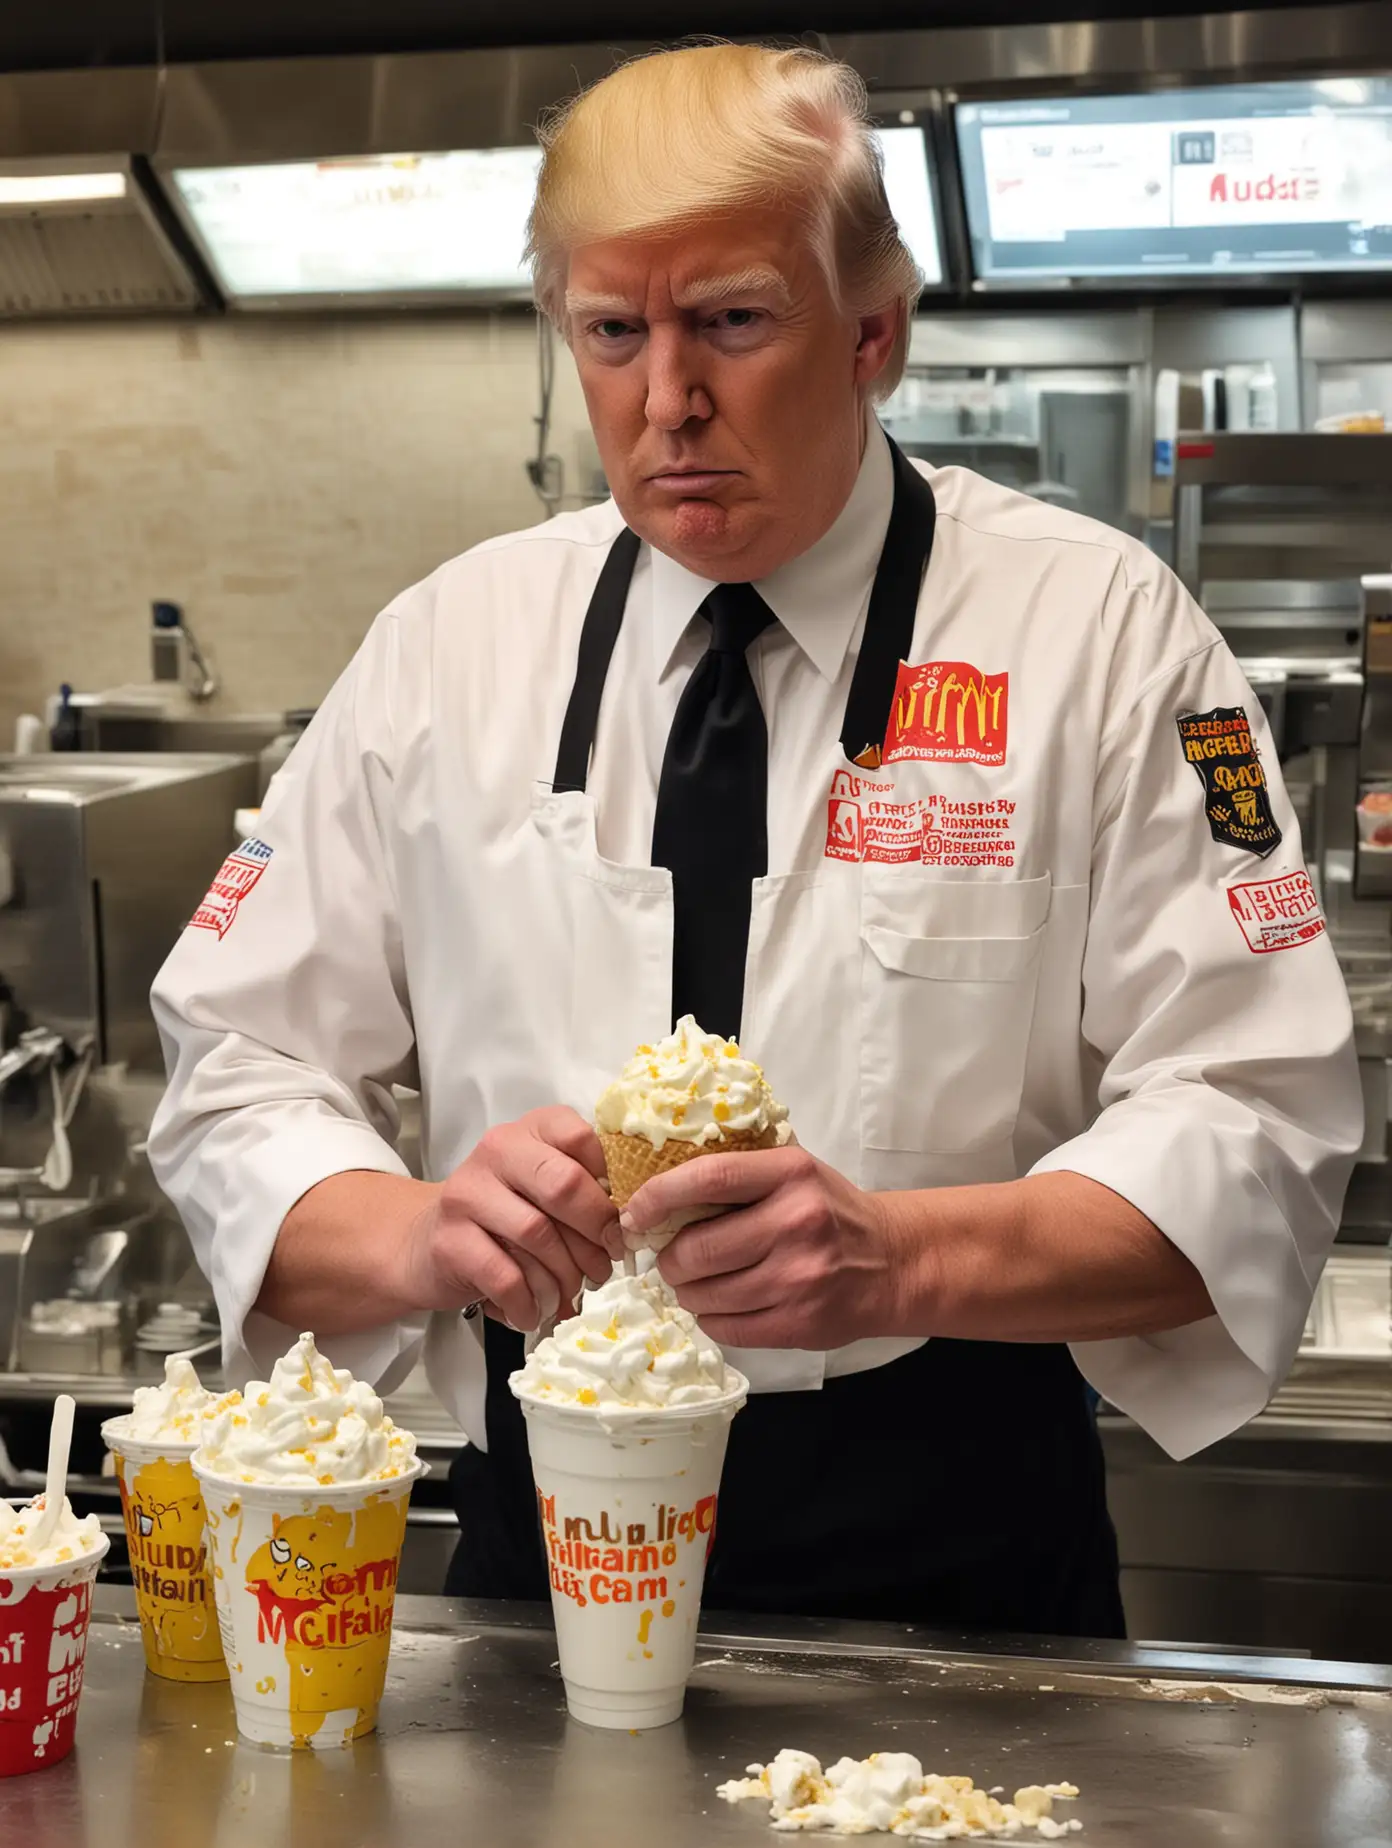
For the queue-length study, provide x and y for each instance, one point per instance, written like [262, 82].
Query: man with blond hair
[952, 805]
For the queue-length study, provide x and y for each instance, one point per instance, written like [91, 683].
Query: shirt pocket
[948, 976]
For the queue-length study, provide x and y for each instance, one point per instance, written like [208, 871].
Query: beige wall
[280, 478]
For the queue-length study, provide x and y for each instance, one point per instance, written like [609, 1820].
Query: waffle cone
[632, 1160]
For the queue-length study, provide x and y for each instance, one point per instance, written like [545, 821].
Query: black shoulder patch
[1219, 746]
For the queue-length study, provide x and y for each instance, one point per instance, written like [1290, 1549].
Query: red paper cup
[45, 1612]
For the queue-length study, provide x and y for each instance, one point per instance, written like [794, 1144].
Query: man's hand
[800, 1258]
[519, 1225]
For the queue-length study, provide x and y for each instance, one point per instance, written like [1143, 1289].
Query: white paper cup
[627, 1505]
[163, 1509]
[306, 1585]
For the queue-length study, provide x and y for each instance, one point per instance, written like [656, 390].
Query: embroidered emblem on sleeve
[1276, 914]
[236, 876]
[1218, 745]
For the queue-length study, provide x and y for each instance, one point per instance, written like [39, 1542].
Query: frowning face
[725, 386]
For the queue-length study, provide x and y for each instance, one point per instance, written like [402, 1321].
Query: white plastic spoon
[56, 1482]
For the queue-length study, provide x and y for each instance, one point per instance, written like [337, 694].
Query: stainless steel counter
[475, 1744]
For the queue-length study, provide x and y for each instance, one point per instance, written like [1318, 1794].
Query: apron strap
[889, 623]
[603, 620]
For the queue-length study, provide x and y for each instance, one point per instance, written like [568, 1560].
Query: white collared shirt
[1066, 926]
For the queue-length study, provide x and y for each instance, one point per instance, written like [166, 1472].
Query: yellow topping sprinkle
[611, 1333]
[587, 1396]
[679, 1115]
[263, 1398]
[720, 1111]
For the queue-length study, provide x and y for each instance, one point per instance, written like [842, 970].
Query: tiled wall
[282, 479]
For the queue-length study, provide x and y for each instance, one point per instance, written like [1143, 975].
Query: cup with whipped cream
[45, 1609]
[152, 1446]
[628, 1408]
[690, 1094]
[306, 1483]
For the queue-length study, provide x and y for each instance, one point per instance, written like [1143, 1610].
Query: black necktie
[711, 826]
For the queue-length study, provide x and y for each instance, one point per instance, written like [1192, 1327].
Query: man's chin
[695, 532]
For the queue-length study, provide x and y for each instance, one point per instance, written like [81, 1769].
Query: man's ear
[875, 341]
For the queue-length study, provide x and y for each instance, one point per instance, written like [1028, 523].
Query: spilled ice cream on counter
[690, 1094]
[888, 1793]
[71, 1539]
[631, 1347]
[309, 1423]
[173, 1412]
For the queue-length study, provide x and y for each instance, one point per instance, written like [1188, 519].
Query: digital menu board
[388, 224]
[1247, 179]
[909, 189]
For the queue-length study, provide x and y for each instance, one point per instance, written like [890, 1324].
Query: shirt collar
[818, 596]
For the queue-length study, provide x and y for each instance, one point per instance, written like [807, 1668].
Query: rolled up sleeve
[285, 1020]
[1230, 1105]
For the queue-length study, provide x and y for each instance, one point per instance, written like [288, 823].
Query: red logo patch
[237, 875]
[947, 712]
[1276, 914]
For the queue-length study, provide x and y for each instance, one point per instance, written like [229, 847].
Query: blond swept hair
[675, 137]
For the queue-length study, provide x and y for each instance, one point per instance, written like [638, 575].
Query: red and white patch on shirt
[866, 823]
[236, 876]
[948, 712]
[1276, 914]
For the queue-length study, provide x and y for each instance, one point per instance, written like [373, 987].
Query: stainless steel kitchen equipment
[1244, 1750]
[104, 859]
[1056, 405]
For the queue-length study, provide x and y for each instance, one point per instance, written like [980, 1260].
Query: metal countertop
[475, 1744]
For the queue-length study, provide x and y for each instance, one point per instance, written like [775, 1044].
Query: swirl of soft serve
[309, 1423]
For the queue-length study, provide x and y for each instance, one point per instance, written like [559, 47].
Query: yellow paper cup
[306, 1585]
[627, 1506]
[163, 1509]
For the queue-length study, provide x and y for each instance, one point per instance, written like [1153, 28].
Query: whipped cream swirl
[632, 1346]
[71, 1539]
[888, 1793]
[173, 1412]
[309, 1423]
[690, 1087]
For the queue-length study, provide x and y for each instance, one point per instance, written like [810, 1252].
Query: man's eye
[613, 330]
[736, 320]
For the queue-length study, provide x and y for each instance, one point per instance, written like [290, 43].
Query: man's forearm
[1055, 1257]
[336, 1267]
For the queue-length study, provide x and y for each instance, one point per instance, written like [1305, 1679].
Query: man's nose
[676, 392]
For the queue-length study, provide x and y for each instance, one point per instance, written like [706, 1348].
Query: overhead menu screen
[388, 224]
[1251, 179]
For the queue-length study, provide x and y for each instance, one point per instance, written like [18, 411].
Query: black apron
[960, 1487]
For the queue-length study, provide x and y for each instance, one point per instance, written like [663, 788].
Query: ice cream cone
[632, 1160]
